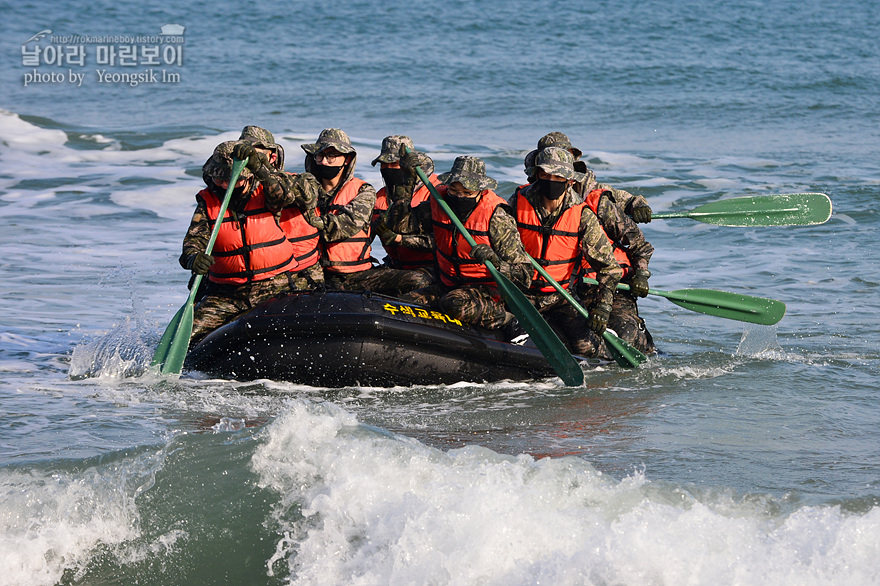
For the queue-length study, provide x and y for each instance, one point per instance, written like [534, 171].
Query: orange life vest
[250, 245]
[453, 251]
[351, 255]
[401, 256]
[301, 234]
[592, 200]
[556, 248]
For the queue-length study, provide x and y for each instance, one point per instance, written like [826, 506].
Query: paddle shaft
[696, 215]
[624, 354]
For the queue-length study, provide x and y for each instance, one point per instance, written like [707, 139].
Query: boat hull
[339, 339]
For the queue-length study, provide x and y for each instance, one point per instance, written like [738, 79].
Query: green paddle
[563, 363]
[745, 308]
[623, 353]
[789, 209]
[173, 346]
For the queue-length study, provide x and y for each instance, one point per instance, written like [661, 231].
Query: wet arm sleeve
[345, 221]
[625, 232]
[198, 234]
[598, 252]
[505, 241]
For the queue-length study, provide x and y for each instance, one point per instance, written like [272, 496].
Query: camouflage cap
[558, 139]
[556, 161]
[259, 137]
[391, 148]
[470, 172]
[262, 138]
[219, 165]
[529, 161]
[330, 137]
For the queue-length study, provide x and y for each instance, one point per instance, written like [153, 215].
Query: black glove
[599, 315]
[410, 160]
[255, 159]
[641, 214]
[483, 253]
[385, 234]
[638, 286]
[201, 263]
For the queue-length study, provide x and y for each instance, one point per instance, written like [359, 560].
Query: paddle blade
[161, 352]
[790, 209]
[564, 364]
[624, 354]
[177, 350]
[173, 346]
[745, 308]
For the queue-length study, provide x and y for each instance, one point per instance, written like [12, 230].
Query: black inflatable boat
[338, 338]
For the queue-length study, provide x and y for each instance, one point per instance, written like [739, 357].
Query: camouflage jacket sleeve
[400, 219]
[598, 252]
[345, 221]
[283, 189]
[198, 234]
[276, 188]
[505, 241]
[625, 233]
[622, 198]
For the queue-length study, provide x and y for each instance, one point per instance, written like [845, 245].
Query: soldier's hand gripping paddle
[173, 346]
[563, 363]
[624, 354]
[787, 209]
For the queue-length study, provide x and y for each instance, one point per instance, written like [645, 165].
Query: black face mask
[327, 172]
[217, 190]
[240, 195]
[393, 177]
[551, 189]
[462, 206]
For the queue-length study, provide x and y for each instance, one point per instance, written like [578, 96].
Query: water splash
[760, 342]
[120, 353]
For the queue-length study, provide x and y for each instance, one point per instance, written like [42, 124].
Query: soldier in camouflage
[558, 230]
[224, 299]
[466, 290]
[345, 206]
[409, 263]
[634, 206]
[295, 200]
[628, 239]
[633, 253]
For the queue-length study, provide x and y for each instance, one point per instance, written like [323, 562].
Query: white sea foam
[51, 521]
[383, 509]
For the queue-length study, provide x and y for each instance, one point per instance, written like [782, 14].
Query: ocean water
[742, 455]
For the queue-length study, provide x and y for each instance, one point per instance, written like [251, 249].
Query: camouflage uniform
[476, 304]
[346, 221]
[390, 278]
[295, 189]
[625, 319]
[594, 246]
[626, 200]
[221, 302]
